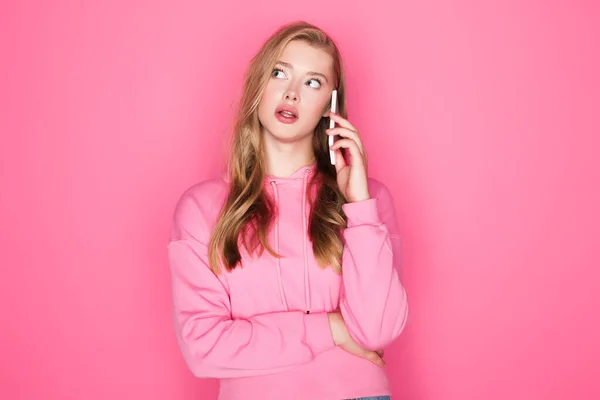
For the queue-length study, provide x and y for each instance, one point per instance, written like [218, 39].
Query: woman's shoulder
[207, 189]
[205, 197]
[382, 194]
[376, 187]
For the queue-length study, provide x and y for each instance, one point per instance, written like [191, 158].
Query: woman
[284, 272]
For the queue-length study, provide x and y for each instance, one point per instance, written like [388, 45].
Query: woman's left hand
[352, 176]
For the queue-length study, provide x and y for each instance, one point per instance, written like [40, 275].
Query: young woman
[284, 272]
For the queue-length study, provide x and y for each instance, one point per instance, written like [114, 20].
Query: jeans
[373, 398]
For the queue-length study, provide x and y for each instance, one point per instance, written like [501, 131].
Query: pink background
[482, 120]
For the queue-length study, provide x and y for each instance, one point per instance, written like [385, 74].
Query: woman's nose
[291, 95]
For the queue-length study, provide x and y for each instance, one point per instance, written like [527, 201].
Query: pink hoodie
[263, 328]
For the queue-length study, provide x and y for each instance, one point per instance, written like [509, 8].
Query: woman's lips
[285, 116]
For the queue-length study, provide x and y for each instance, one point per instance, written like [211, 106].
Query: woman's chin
[288, 135]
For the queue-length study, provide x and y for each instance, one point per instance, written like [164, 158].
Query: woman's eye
[277, 73]
[315, 83]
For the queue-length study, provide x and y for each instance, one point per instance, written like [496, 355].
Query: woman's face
[297, 93]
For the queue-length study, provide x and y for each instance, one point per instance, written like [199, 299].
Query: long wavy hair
[246, 216]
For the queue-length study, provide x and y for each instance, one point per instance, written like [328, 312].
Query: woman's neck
[283, 159]
[286, 168]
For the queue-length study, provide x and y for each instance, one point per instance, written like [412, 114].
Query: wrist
[336, 324]
[362, 197]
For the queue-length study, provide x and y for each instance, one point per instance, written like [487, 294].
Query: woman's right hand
[342, 338]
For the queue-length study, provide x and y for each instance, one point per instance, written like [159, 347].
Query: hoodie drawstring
[305, 228]
[279, 280]
[305, 243]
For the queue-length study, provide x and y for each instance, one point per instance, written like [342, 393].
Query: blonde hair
[247, 213]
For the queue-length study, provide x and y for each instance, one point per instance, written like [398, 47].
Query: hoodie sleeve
[213, 343]
[373, 302]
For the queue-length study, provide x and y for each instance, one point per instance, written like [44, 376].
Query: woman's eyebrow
[290, 66]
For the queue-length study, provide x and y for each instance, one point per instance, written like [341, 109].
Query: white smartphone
[332, 125]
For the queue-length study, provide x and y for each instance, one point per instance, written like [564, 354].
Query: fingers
[340, 161]
[374, 358]
[347, 133]
[355, 153]
[342, 121]
[380, 352]
[347, 130]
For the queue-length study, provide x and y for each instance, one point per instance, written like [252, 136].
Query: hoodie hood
[299, 175]
[295, 177]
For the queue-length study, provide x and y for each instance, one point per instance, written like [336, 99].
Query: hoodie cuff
[318, 333]
[362, 212]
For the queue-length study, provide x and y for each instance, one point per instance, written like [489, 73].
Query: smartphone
[332, 125]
